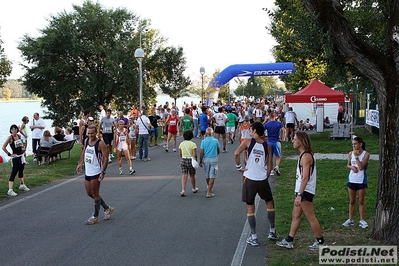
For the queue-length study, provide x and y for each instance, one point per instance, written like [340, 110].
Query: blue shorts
[211, 167]
[355, 186]
[276, 148]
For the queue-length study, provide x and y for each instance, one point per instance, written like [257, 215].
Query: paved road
[151, 225]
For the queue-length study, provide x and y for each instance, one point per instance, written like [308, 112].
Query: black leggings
[17, 167]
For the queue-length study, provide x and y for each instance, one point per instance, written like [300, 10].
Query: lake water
[14, 111]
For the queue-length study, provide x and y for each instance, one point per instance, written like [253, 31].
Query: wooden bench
[56, 150]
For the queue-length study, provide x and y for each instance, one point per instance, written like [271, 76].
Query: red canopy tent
[316, 92]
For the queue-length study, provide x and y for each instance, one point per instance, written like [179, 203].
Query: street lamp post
[139, 55]
[202, 71]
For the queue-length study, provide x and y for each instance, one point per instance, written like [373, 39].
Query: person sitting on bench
[45, 144]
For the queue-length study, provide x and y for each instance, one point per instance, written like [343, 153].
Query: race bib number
[107, 130]
[89, 156]
[122, 138]
[173, 122]
[18, 143]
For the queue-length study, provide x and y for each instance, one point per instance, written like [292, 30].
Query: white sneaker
[363, 224]
[11, 193]
[112, 156]
[23, 187]
[131, 157]
[174, 150]
[349, 222]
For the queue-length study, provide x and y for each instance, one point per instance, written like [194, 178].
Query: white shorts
[122, 146]
[230, 129]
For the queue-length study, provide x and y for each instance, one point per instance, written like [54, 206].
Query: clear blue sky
[213, 34]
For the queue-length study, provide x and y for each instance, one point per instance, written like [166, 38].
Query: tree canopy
[5, 65]
[85, 58]
[360, 42]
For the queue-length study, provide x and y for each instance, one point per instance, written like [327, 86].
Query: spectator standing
[144, 126]
[37, 127]
[95, 157]
[358, 160]
[195, 120]
[154, 119]
[18, 160]
[305, 190]
[23, 130]
[210, 149]
[187, 149]
[255, 179]
[290, 119]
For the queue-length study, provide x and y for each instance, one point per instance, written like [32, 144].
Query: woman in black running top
[18, 159]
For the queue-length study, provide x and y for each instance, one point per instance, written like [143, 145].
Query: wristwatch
[299, 194]
[103, 172]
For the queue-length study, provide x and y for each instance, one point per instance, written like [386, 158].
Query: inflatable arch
[247, 70]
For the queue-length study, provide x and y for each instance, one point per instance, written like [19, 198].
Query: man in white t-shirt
[37, 126]
[220, 128]
[290, 120]
[144, 125]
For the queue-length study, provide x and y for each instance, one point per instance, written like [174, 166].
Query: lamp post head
[139, 54]
[202, 70]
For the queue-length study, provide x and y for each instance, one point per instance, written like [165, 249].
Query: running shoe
[11, 193]
[182, 193]
[132, 171]
[277, 170]
[224, 150]
[131, 157]
[285, 244]
[23, 187]
[316, 246]
[120, 172]
[195, 190]
[273, 236]
[252, 241]
[108, 212]
[210, 195]
[92, 220]
[174, 149]
[112, 156]
[363, 224]
[166, 149]
[349, 222]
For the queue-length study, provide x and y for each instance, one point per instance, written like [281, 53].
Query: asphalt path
[151, 224]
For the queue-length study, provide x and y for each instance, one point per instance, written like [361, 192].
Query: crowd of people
[259, 126]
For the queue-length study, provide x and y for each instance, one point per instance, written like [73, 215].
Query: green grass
[331, 191]
[322, 143]
[35, 175]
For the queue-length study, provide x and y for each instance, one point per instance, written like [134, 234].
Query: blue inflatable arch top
[248, 70]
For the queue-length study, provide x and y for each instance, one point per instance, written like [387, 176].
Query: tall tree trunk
[383, 70]
[386, 219]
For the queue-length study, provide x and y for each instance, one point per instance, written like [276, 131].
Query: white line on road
[38, 193]
[242, 244]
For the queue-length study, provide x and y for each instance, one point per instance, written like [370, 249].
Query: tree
[5, 66]
[373, 49]
[304, 43]
[257, 86]
[171, 80]
[7, 94]
[86, 58]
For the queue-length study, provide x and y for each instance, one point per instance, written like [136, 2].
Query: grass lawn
[332, 192]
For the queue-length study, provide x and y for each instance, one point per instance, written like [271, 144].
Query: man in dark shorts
[107, 125]
[220, 128]
[95, 157]
[256, 179]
